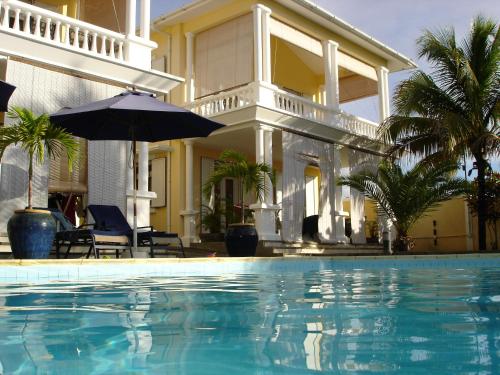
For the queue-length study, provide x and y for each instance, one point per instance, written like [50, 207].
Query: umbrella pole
[134, 166]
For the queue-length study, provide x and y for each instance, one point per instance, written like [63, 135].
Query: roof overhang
[395, 60]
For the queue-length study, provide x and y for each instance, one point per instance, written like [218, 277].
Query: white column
[131, 15]
[340, 214]
[130, 184]
[189, 68]
[143, 202]
[326, 221]
[145, 18]
[257, 42]
[189, 213]
[266, 44]
[265, 219]
[383, 93]
[330, 58]
[357, 200]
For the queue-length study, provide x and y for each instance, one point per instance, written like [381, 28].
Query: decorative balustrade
[53, 28]
[225, 101]
[358, 125]
[272, 97]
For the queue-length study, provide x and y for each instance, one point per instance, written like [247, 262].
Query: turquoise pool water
[326, 318]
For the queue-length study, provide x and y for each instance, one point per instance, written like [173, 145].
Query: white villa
[276, 72]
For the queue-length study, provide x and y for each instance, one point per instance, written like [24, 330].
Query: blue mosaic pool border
[46, 271]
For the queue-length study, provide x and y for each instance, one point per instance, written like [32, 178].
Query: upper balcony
[46, 36]
[284, 77]
[281, 102]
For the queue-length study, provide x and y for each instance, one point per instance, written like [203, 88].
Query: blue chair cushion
[109, 218]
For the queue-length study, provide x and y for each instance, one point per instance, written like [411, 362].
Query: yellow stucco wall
[450, 227]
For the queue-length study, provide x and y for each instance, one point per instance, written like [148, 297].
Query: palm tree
[37, 136]
[250, 176]
[405, 196]
[452, 112]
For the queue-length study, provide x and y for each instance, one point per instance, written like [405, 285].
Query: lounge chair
[69, 235]
[111, 218]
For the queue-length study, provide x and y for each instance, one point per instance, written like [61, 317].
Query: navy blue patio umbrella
[6, 90]
[133, 116]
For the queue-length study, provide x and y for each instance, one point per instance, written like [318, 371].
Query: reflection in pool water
[440, 321]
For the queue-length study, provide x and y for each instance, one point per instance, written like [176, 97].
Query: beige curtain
[61, 180]
[223, 56]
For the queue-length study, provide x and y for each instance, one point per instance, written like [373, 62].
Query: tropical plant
[405, 196]
[38, 137]
[251, 177]
[452, 112]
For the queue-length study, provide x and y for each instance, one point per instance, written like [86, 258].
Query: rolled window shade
[61, 180]
[223, 56]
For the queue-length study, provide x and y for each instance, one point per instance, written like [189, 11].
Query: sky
[396, 23]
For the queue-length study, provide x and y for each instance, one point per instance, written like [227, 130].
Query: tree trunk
[242, 195]
[481, 201]
[30, 183]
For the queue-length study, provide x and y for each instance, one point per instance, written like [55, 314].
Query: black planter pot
[31, 234]
[241, 240]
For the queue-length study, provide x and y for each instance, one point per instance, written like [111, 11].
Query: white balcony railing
[272, 97]
[225, 101]
[43, 25]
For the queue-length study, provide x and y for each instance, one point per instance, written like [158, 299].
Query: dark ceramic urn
[31, 233]
[241, 240]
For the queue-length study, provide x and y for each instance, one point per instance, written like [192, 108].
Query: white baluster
[67, 29]
[48, 21]
[76, 38]
[6, 15]
[16, 20]
[57, 33]
[112, 48]
[85, 44]
[94, 42]
[120, 51]
[103, 45]
[27, 23]
[38, 26]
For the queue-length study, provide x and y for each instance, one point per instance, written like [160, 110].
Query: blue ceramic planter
[241, 240]
[31, 234]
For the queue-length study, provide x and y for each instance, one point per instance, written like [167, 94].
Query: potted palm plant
[241, 238]
[32, 231]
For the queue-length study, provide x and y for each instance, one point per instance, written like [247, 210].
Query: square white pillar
[189, 67]
[330, 58]
[340, 214]
[145, 19]
[262, 43]
[265, 212]
[357, 200]
[131, 16]
[383, 93]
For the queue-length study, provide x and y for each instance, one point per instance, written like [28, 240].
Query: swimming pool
[295, 316]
